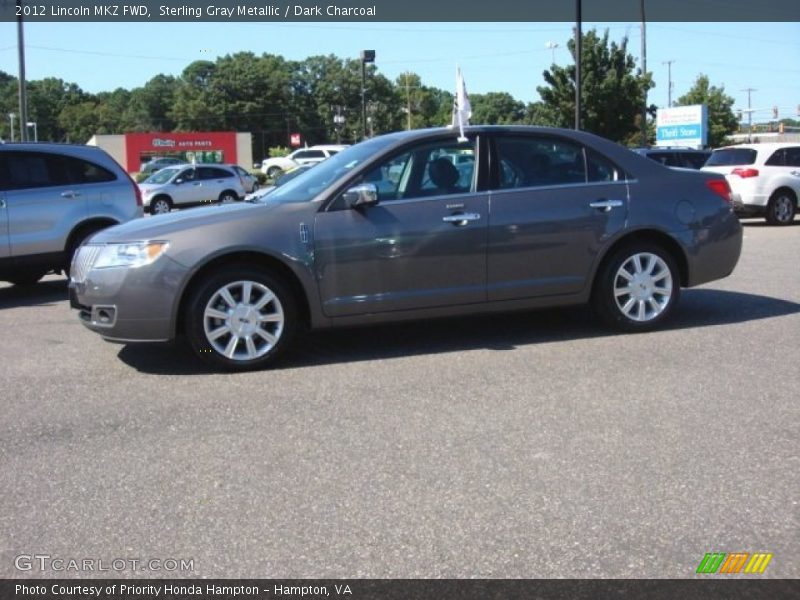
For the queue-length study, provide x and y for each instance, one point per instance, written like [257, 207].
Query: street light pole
[578, 44]
[669, 81]
[23, 100]
[644, 74]
[749, 114]
[367, 56]
[35, 129]
[11, 117]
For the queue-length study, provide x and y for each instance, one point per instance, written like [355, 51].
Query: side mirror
[364, 194]
[179, 181]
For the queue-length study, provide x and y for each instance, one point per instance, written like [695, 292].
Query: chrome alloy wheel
[784, 209]
[643, 287]
[243, 320]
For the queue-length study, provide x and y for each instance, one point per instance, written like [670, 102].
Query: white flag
[462, 110]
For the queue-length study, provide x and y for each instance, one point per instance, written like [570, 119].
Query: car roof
[766, 146]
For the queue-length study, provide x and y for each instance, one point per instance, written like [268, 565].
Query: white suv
[272, 167]
[764, 179]
[189, 185]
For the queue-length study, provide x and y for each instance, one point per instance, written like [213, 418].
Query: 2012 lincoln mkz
[414, 225]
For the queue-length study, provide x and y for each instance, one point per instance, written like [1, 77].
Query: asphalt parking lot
[527, 445]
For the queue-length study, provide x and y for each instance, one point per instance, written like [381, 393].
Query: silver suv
[52, 198]
[188, 185]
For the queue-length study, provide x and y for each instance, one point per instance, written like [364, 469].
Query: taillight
[137, 192]
[744, 173]
[721, 188]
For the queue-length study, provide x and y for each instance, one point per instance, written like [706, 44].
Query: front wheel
[637, 288]
[273, 172]
[160, 206]
[228, 196]
[240, 318]
[781, 208]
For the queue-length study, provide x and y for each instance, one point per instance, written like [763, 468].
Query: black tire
[27, 278]
[652, 297]
[160, 205]
[781, 207]
[273, 172]
[75, 243]
[228, 196]
[238, 333]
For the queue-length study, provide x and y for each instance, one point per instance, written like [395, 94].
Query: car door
[423, 245]
[187, 188]
[42, 202]
[554, 205]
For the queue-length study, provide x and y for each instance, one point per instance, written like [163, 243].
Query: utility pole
[644, 73]
[578, 44]
[669, 81]
[23, 100]
[749, 114]
[408, 102]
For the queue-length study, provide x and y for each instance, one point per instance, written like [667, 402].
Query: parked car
[271, 167]
[52, 198]
[281, 180]
[686, 158]
[556, 217]
[249, 181]
[190, 185]
[764, 179]
[156, 164]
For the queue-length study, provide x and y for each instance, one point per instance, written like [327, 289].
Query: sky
[499, 57]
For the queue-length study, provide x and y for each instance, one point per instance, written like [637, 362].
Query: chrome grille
[82, 261]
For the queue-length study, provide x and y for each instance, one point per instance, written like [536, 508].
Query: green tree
[612, 88]
[427, 106]
[721, 120]
[496, 108]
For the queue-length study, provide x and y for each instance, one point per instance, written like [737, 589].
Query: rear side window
[784, 157]
[214, 173]
[542, 161]
[82, 171]
[731, 157]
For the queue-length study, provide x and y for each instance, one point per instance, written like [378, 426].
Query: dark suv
[687, 158]
[52, 198]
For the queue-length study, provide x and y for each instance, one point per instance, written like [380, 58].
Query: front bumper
[130, 305]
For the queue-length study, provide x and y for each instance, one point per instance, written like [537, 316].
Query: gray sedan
[415, 225]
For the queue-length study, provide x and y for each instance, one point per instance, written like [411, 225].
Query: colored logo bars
[722, 562]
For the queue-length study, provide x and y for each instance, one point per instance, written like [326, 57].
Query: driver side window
[439, 169]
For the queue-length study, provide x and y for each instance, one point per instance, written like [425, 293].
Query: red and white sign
[154, 144]
[294, 140]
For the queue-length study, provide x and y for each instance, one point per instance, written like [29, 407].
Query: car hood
[161, 226]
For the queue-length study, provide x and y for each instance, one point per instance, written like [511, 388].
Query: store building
[133, 150]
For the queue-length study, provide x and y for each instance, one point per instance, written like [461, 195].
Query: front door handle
[606, 205]
[70, 194]
[461, 219]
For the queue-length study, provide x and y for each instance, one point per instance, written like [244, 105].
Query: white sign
[682, 126]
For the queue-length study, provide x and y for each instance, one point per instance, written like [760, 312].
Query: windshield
[731, 157]
[162, 176]
[307, 185]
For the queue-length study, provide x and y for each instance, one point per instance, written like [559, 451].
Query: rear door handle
[606, 205]
[70, 194]
[461, 218]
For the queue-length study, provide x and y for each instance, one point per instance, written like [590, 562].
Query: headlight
[132, 255]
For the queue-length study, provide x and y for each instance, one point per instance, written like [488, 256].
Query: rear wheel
[781, 208]
[160, 206]
[240, 318]
[228, 196]
[637, 288]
